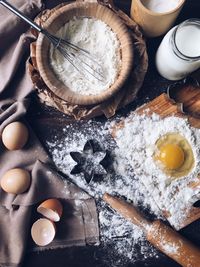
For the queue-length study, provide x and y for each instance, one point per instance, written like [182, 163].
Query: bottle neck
[175, 35]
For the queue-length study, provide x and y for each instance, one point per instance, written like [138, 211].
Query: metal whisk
[80, 58]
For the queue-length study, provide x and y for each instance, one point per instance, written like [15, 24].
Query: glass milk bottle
[179, 52]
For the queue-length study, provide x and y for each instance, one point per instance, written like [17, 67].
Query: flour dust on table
[123, 242]
[174, 188]
[135, 173]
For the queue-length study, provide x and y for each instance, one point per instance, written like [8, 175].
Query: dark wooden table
[48, 122]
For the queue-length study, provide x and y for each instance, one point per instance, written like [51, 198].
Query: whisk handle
[21, 15]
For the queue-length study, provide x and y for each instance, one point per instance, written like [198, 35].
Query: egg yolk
[171, 156]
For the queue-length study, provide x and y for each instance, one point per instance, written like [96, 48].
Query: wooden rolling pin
[160, 235]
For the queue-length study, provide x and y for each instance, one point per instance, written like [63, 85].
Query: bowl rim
[57, 86]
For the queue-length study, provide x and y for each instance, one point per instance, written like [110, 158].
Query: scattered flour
[123, 241]
[87, 33]
[137, 141]
[171, 248]
[133, 175]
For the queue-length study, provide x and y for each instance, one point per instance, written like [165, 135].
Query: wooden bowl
[60, 18]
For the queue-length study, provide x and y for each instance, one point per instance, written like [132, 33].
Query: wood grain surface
[48, 122]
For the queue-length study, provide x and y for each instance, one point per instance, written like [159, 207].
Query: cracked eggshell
[16, 181]
[51, 209]
[15, 135]
[43, 232]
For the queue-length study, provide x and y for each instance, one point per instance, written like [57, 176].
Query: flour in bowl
[160, 6]
[96, 37]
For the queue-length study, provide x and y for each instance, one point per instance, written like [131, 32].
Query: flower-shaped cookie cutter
[91, 161]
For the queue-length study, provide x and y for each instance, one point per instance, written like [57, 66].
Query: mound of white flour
[96, 37]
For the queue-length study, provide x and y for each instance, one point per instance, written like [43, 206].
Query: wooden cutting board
[182, 102]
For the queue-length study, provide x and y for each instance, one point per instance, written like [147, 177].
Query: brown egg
[15, 136]
[43, 232]
[51, 209]
[16, 181]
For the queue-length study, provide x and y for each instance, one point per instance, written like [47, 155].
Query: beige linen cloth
[79, 225]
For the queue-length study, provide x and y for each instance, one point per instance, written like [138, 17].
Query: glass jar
[179, 52]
